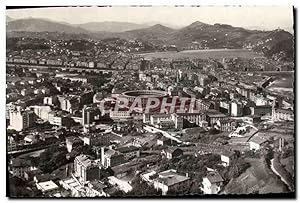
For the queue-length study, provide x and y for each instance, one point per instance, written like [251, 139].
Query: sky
[267, 17]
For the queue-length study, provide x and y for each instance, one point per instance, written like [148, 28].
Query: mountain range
[42, 25]
[110, 26]
[213, 36]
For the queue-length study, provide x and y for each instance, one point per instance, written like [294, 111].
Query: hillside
[212, 36]
[46, 35]
[41, 25]
[278, 43]
[156, 34]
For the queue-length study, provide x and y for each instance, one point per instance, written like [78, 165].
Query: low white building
[282, 114]
[52, 100]
[146, 176]
[121, 184]
[47, 186]
[91, 189]
[212, 183]
[236, 108]
[227, 158]
[120, 114]
[58, 119]
[20, 166]
[171, 152]
[167, 180]
[256, 142]
[73, 185]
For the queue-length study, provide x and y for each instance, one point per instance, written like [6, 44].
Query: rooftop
[190, 114]
[214, 113]
[128, 149]
[73, 139]
[112, 152]
[161, 115]
[227, 153]
[214, 177]
[258, 139]
[47, 186]
[97, 185]
[84, 160]
[170, 177]
[227, 121]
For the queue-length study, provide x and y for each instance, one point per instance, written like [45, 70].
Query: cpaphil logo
[152, 104]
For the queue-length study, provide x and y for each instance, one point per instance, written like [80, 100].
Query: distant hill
[111, 26]
[149, 24]
[42, 25]
[158, 28]
[274, 42]
[287, 28]
[213, 36]
[207, 35]
[219, 36]
[156, 34]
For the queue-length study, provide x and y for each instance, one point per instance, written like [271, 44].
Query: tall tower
[102, 156]
[87, 115]
[20, 118]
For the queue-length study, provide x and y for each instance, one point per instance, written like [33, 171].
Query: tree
[237, 167]
[18, 188]
[141, 188]
[51, 159]
[104, 173]
[188, 188]
[11, 132]
[118, 193]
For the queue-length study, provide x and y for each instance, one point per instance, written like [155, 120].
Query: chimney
[186, 174]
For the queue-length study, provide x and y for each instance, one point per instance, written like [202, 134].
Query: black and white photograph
[150, 102]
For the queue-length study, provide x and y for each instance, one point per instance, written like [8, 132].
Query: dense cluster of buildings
[116, 131]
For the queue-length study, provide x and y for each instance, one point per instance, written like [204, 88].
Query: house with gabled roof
[171, 152]
[212, 183]
[257, 141]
